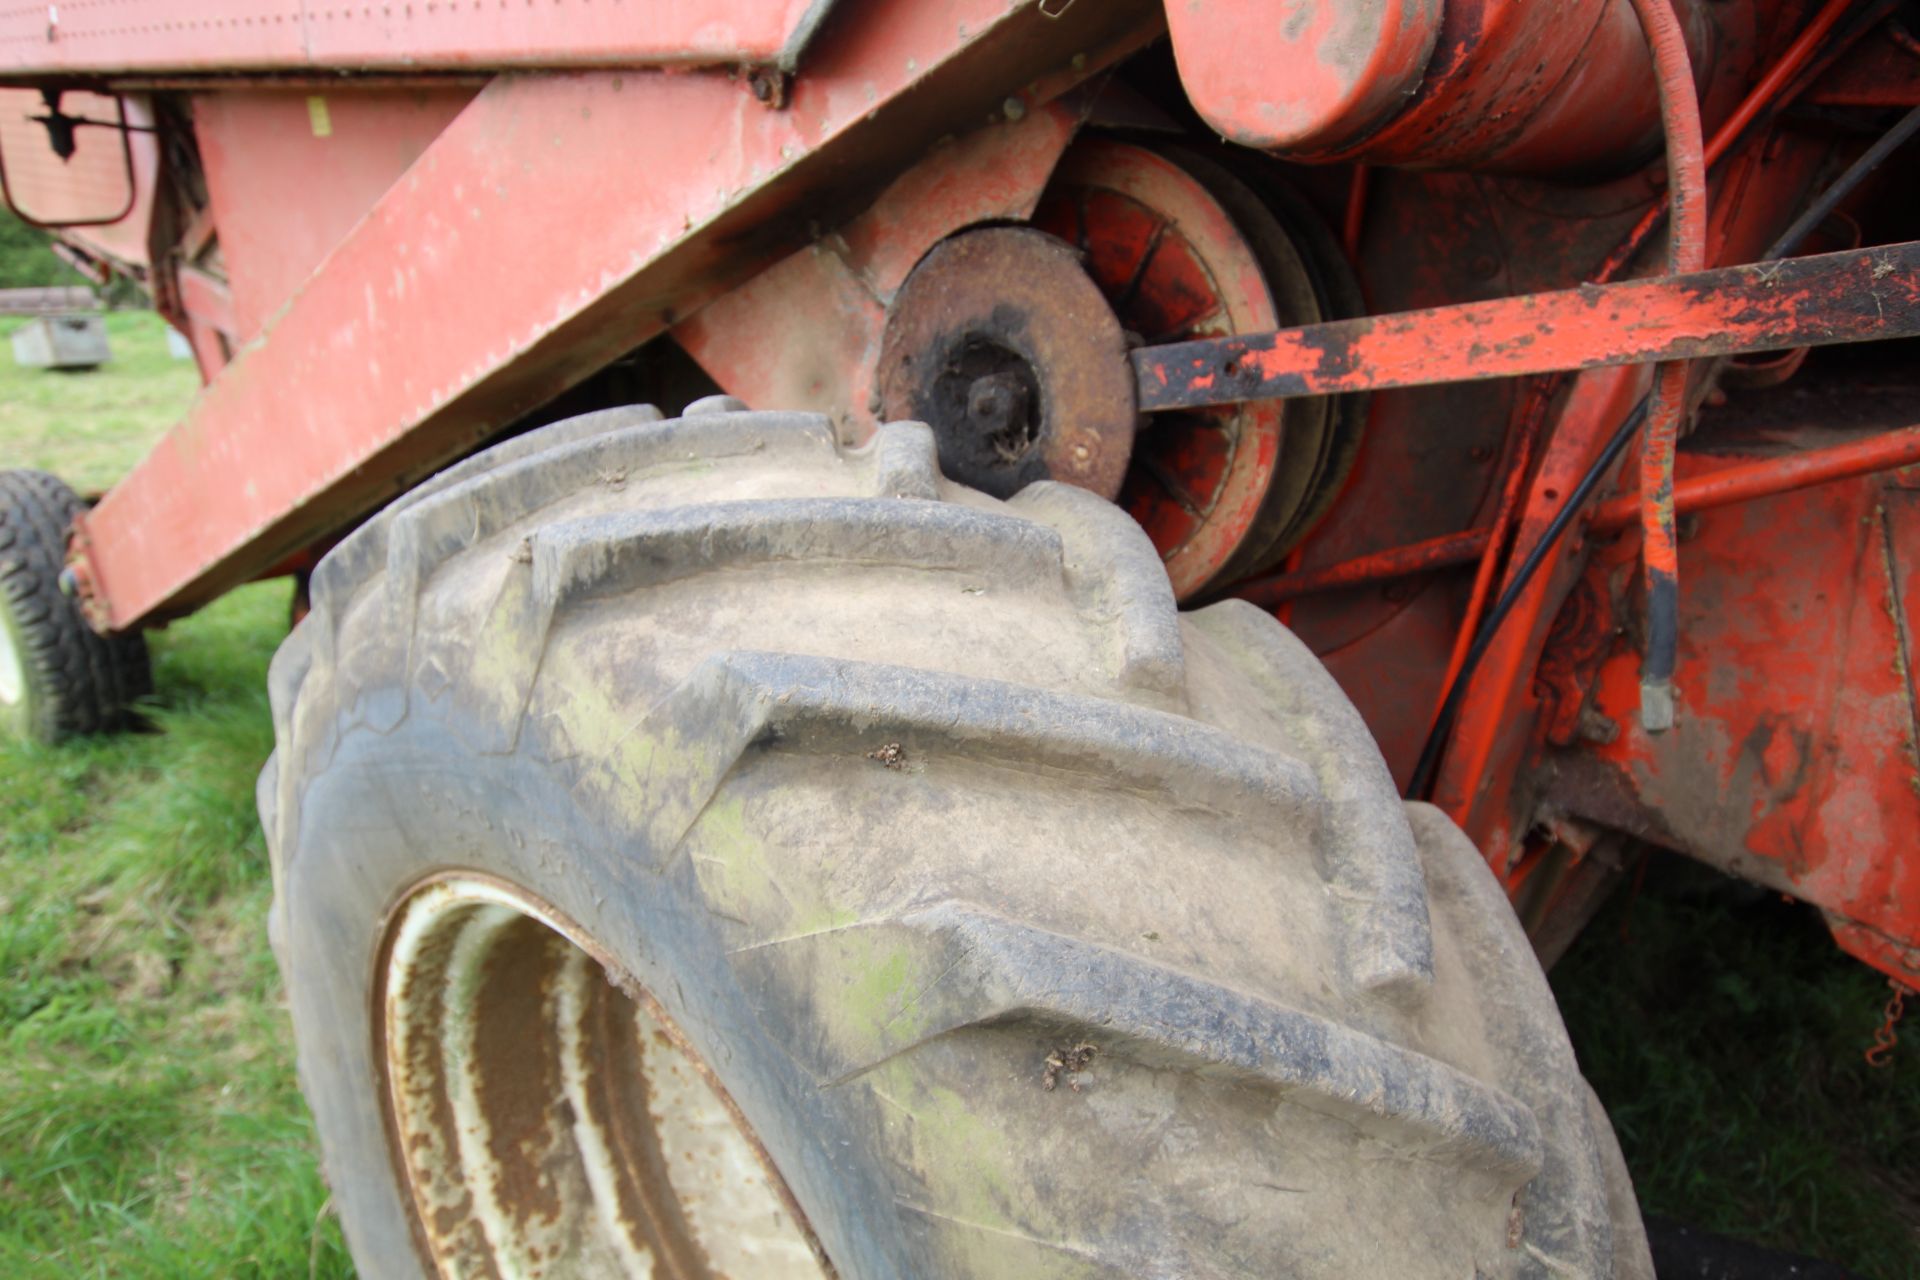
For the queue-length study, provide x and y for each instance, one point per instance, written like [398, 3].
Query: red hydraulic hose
[1686, 251]
[1773, 90]
[1765, 477]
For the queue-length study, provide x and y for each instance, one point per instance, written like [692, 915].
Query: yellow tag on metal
[318, 115]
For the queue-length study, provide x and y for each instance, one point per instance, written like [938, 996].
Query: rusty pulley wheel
[1000, 343]
[1183, 249]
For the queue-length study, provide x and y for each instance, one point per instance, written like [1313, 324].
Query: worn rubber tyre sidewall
[388, 811]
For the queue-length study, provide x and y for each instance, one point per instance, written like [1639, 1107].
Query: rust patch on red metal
[1793, 759]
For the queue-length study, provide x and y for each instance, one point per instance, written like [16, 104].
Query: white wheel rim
[548, 1116]
[13, 669]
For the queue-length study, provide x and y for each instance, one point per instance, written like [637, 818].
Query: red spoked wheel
[1183, 249]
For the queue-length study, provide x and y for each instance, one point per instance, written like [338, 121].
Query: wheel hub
[13, 671]
[1001, 343]
[550, 1119]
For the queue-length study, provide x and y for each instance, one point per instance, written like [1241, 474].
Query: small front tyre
[58, 677]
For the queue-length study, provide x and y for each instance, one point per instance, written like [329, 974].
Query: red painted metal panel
[181, 36]
[338, 153]
[805, 333]
[1793, 759]
[554, 225]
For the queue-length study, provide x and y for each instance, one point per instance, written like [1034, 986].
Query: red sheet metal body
[157, 37]
[290, 172]
[405, 353]
[1794, 749]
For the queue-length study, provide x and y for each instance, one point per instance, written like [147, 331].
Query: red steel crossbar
[1768, 476]
[1854, 296]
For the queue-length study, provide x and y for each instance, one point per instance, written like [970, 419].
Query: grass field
[149, 1123]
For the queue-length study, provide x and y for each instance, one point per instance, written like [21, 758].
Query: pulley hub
[1002, 344]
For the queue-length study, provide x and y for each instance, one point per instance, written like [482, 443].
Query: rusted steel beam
[1769, 476]
[1443, 552]
[552, 227]
[1830, 298]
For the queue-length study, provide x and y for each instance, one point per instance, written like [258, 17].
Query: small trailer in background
[65, 329]
[61, 342]
[794, 766]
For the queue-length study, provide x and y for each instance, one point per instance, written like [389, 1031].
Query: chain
[1885, 1038]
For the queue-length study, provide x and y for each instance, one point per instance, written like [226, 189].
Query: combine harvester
[863, 817]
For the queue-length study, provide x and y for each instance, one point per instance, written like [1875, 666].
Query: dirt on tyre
[703, 850]
[58, 677]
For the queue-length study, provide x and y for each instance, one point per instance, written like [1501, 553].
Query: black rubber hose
[1843, 186]
[1789, 240]
[1443, 724]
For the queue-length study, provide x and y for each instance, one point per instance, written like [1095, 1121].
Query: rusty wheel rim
[1174, 265]
[548, 1118]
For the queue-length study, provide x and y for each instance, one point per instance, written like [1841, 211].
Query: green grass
[90, 427]
[149, 1122]
[1725, 1033]
[150, 1125]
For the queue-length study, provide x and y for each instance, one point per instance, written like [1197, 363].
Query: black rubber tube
[1843, 186]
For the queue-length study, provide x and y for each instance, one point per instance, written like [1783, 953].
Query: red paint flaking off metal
[1820, 299]
[1793, 758]
[1491, 732]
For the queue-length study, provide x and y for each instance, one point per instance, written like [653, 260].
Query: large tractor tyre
[701, 850]
[58, 677]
